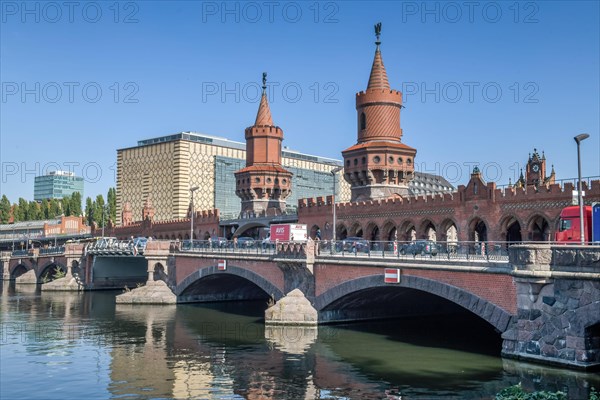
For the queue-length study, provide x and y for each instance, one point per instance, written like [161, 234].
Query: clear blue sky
[162, 67]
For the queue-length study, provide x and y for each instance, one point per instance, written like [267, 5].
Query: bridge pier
[5, 261]
[558, 315]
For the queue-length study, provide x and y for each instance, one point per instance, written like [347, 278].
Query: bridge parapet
[547, 260]
[558, 305]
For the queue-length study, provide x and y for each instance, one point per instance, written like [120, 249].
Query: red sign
[280, 232]
[392, 275]
[222, 265]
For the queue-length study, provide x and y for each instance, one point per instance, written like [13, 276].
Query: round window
[376, 159]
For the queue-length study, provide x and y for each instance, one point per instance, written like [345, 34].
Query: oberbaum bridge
[495, 258]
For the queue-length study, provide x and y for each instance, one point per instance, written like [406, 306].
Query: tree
[34, 211]
[65, 203]
[98, 209]
[76, 204]
[4, 209]
[55, 208]
[111, 198]
[45, 206]
[21, 209]
[89, 211]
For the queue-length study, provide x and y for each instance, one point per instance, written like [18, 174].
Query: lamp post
[192, 190]
[103, 210]
[333, 234]
[578, 139]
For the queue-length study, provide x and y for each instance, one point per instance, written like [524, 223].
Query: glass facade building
[57, 185]
[305, 183]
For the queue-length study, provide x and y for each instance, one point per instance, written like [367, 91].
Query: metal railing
[114, 247]
[416, 249]
[227, 246]
[52, 250]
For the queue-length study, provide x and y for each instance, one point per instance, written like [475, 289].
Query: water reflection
[83, 345]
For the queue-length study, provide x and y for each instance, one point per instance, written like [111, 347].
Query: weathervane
[264, 86]
[378, 33]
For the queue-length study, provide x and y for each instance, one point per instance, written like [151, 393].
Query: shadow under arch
[249, 225]
[496, 316]
[50, 271]
[235, 283]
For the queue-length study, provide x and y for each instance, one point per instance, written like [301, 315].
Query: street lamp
[192, 190]
[578, 139]
[103, 208]
[333, 173]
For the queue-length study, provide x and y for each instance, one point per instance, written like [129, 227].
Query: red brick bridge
[544, 300]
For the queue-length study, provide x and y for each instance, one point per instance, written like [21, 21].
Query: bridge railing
[416, 249]
[112, 246]
[258, 247]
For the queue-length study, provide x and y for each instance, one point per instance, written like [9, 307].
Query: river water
[84, 346]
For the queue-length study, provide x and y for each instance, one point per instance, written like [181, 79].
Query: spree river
[83, 346]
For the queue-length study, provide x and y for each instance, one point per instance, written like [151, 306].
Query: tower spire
[378, 78]
[263, 116]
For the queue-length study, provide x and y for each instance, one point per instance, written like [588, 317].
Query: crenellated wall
[536, 212]
[206, 224]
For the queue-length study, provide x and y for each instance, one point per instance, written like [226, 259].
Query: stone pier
[293, 309]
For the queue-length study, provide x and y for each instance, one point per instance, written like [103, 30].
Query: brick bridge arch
[491, 313]
[48, 267]
[240, 273]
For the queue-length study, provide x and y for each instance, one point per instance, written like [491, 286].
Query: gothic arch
[427, 230]
[407, 231]
[491, 313]
[355, 229]
[341, 231]
[538, 228]
[389, 231]
[510, 229]
[266, 286]
[372, 232]
[478, 230]
[448, 230]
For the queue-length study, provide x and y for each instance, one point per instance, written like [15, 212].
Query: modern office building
[56, 185]
[163, 169]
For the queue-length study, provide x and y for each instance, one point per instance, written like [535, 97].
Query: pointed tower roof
[263, 116]
[378, 78]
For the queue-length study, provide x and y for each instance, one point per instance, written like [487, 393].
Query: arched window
[363, 121]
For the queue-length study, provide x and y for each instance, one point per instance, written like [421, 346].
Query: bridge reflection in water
[224, 350]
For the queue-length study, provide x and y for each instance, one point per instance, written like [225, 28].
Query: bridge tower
[263, 185]
[379, 165]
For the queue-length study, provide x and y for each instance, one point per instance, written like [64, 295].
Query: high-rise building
[56, 185]
[163, 169]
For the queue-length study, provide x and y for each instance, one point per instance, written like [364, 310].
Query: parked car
[140, 244]
[422, 247]
[218, 242]
[245, 242]
[355, 244]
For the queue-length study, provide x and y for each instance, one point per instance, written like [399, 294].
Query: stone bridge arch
[192, 289]
[19, 269]
[496, 316]
[49, 269]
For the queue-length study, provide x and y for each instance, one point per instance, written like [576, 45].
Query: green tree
[34, 211]
[99, 205]
[89, 211]
[55, 208]
[21, 210]
[4, 209]
[46, 208]
[76, 204]
[111, 198]
[65, 204]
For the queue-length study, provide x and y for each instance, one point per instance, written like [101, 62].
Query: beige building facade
[163, 169]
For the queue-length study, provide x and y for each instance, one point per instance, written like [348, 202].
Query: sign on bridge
[392, 275]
